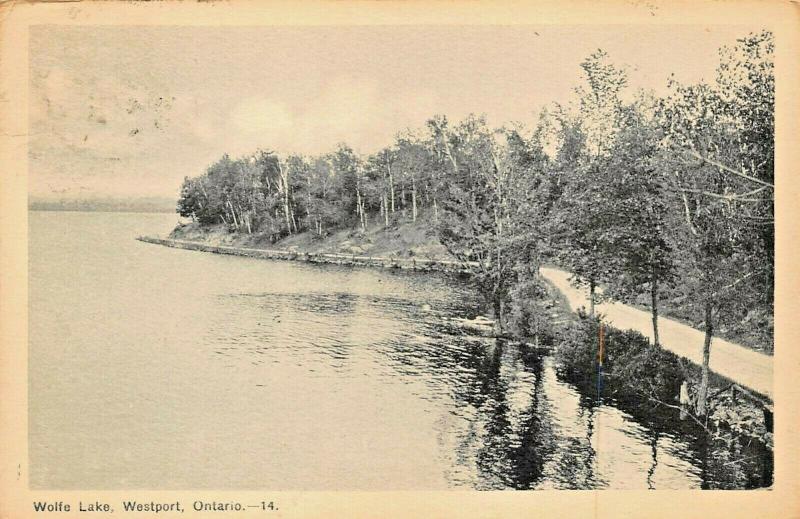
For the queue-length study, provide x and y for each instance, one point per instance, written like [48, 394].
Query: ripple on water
[341, 378]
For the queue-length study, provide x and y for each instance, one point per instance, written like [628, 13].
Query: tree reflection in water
[503, 417]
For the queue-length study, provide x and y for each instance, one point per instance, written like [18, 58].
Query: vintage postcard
[398, 259]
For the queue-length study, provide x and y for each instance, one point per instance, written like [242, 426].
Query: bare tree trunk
[413, 198]
[360, 199]
[308, 201]
[286, 213]
[360, 208]
[391, 185]
[702, 393]
[449, 154]
[363, 217]
[247, 222]
[284, 173]
[243, 219]
[654, 306]
[591, 297]
[233, 215]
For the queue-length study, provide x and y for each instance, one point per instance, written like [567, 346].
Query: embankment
[417, 264]
[742, 365]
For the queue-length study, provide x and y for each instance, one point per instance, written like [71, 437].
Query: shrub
[529, 311]
[634, 370]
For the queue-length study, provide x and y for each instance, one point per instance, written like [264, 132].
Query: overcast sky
[130, 111]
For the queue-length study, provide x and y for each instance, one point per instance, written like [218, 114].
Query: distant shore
[85, 210]
[104, 205]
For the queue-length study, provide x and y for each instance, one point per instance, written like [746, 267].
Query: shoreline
[419, 265]
[756, 396]
[570, 295]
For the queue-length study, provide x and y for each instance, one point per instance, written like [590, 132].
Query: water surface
[153, 367]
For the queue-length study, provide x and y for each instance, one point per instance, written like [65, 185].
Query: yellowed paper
[167, 93]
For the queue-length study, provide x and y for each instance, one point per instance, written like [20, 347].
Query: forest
[666, 201]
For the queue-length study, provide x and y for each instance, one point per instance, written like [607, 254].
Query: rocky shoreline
[421, 264]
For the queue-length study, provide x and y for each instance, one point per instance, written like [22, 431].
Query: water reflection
[343, 379]
[502, 417]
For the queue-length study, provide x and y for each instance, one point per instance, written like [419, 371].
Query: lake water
[152, 367]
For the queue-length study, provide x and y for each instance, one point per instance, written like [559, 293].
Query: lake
[152, 367]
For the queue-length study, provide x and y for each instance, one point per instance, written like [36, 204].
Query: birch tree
[720, 160]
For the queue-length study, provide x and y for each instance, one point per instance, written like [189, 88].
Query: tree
[320, 192]
[721, 164]
[476, 222]
[586, 228]
[349, 172]
[415, 163]
[636, 195]
[641, 238]
[190, 202]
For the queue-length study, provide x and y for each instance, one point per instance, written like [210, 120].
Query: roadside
[740, 364]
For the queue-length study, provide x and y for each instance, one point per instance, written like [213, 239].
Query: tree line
[669, 196]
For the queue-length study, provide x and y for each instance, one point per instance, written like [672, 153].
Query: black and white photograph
[386, 257]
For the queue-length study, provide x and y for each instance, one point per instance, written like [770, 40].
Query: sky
[124, 111]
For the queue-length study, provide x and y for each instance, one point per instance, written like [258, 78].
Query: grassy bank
[410, 240]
